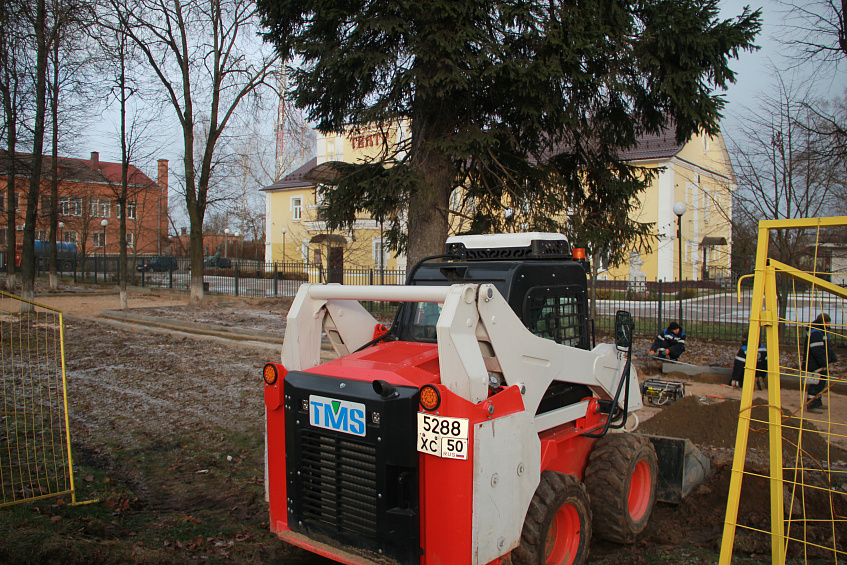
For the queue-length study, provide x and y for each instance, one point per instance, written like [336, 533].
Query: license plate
[442, 436]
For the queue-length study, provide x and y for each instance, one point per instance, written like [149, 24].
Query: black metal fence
[710, 309]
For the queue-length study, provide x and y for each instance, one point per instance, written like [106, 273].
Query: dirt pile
[809, 493]
[715, 425]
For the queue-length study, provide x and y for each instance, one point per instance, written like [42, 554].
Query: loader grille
[352, 466]
[339, 483]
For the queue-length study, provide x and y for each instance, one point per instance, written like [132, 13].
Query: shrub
[604, 293]
[686, 293]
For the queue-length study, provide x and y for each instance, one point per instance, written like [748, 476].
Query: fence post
[236, 278]
[276, 280]
[661, 295]
[170, 276]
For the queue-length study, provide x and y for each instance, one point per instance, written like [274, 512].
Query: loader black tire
[621, 482]
[557, 527]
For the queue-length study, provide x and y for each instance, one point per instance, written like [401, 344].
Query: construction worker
[669, 344]
[819, 355]
[737, 378]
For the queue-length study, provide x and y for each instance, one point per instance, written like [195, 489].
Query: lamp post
[104, 223]
[61, 227]
[284, 231]
[226, 239]
[679, 210]
[236, 234]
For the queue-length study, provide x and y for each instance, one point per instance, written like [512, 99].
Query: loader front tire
[621, 482]
[557, 528]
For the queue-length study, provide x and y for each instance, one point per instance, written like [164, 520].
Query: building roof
[297, 178]
[653, 146]
[78, 170]
[649, 146]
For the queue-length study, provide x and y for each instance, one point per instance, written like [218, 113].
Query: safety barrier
[805, 470]
[35, 449]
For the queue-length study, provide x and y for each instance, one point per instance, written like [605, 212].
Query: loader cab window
[557, 313]
[424, 320]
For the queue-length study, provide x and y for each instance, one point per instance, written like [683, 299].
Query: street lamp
[284, 231]
[61, 227]
[104, 223]
[679, 210]
[236, 234]
[226, 239]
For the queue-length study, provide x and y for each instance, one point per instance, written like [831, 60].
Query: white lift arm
[478, 333]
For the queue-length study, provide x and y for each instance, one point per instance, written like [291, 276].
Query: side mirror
[624, 326]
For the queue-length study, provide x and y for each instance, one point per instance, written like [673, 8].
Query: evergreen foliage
[524, 104]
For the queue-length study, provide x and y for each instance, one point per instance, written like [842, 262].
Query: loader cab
[536, 273]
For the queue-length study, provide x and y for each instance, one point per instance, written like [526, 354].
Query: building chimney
[162, 181]
[95, 159]
[163, 174]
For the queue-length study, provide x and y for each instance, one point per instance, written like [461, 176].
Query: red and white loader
[480, 428]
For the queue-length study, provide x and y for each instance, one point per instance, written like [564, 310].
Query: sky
[754, 79]
[755, 69]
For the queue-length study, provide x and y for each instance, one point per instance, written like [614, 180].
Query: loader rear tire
[621, 482]
[557, 528]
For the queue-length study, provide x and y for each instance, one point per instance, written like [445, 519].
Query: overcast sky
[754, 79]
[755, 70]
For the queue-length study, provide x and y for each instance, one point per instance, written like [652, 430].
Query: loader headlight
[270, 374]
[430, 397]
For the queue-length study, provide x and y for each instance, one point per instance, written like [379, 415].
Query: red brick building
[88, 196]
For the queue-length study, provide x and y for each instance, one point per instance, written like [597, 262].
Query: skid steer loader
[478, 429]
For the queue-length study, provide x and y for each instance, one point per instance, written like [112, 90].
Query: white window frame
[76, 206]
[130, 240]
[376, 243]
[64, 206]
[70, 237]
[296, 209]
[99, 239]
[131, 209]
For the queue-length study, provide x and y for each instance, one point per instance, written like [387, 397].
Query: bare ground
[168, 434]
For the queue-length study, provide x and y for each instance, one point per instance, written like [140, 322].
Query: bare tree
[818, 32]
[11, 46]
[783, 170]
[134, 127]
[205, 55]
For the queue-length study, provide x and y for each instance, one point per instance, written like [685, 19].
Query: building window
[2, 203]
[41, 235]
[130, 209]
[130, 239]
[100, 207]
[377, 244]
[296, 208]
[70, 237]
[64, 205]
[2, 237]
[76, 206]
[99, 239]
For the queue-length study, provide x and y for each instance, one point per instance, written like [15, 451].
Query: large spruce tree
[522, 103]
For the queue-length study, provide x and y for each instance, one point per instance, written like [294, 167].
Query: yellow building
[295, 232]
[697, 173]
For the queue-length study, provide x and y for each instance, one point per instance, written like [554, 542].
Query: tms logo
[339, 415]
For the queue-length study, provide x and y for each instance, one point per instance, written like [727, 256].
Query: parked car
[158, 264]
[216, 262]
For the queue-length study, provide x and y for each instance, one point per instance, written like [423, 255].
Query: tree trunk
[28, 253]
[54, 170]
[429, 205]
